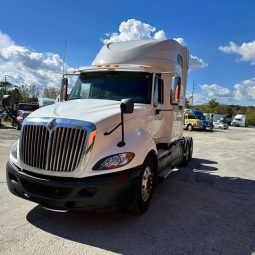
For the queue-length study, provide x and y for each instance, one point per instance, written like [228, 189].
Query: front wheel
[189, 127]
[144, 188]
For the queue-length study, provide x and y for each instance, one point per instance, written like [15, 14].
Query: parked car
[23, 110]
[2, 116]
[220, 125]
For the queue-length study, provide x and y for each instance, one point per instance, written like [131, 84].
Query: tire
[190, 149]
[189, 127]
[144, 189]
[186, 154]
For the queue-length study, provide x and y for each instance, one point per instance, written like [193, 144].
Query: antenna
[64, 60]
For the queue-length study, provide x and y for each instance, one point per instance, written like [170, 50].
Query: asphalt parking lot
[207, 207]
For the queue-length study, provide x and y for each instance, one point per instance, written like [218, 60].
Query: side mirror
[127, 105]
[7, 100]
[63, 91]
[155, 101]
[175, 92]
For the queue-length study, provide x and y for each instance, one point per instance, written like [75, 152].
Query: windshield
[201, 117]
[27, 107]
[113, 86]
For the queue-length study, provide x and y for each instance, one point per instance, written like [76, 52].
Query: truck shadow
[193, 212]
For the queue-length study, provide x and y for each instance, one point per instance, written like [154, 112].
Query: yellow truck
[191, 121]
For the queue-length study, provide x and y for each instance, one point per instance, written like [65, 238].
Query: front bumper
[98, 193]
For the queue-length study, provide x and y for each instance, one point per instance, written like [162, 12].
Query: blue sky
[32, 36]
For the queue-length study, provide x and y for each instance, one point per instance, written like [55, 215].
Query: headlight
[14, 150]
[114, 161]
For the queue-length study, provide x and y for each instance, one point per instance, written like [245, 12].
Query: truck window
[113, 86]
[27, 107]
[158, 93]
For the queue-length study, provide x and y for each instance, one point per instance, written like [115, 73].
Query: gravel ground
[207, 207]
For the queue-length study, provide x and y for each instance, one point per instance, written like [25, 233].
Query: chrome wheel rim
[147, 184]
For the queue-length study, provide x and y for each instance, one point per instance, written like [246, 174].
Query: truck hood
[103, 113]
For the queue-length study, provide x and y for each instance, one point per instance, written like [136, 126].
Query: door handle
[157, 111]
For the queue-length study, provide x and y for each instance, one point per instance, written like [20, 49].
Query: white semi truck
[119, 131]
[239, 121]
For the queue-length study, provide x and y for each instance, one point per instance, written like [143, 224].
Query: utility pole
[64, 60]
[5, 82]
[193, 90]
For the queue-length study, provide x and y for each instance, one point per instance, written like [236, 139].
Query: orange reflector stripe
[91, 138]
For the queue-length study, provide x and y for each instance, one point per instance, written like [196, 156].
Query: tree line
[26, 93]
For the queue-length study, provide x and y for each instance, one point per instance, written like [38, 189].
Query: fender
[137, 141]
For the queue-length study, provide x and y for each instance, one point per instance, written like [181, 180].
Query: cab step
[164, 174]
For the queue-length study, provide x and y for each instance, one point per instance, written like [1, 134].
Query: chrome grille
[57, 150]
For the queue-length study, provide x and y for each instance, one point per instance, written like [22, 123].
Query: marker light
[91, 139]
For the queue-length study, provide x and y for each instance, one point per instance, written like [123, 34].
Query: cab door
[157, 113]
[178, 101]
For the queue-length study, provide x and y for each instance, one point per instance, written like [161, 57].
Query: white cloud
[180, 41]
[160, 35]
[196, 63]
[27, 66]
[5, 40]
[198, 98]
[245, 90]
[246, 51]
[241, 92]
[214, 90]
[133, 29]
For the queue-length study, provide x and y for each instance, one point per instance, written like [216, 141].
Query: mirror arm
[108, 133]
[122, 142]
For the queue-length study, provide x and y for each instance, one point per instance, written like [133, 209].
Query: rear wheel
[190, 149]
[144, 190]
[186, 152]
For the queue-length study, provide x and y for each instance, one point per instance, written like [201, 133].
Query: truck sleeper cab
[117, 134]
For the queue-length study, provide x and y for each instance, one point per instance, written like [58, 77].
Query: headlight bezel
[114, 161]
